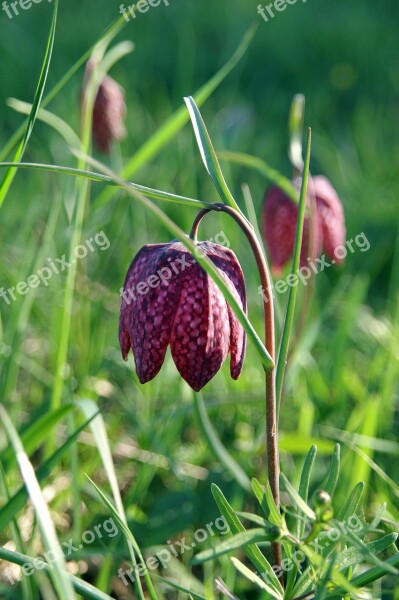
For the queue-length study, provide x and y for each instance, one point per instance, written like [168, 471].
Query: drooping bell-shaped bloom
[280, 216]
[109, 110]
[168, 299]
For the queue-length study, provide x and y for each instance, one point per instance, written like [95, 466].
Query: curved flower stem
[273, 463]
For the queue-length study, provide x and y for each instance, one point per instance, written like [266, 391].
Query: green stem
[273, 463]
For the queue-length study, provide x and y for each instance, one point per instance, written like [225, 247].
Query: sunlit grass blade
[369, 555]
[58, 124]
[208, 153]
[252, 536]
[333, 472]
[267, 503]
[59, 575]
[177, 120]
[259, 165]
[304, 486]
[295, 130]
[365, 579]
[252, 551]
[296, 498]
[82, 587]
[146, 191]
[6, 183]
[253, 578]
[180, 588]
[351, 504]
[132, 540]
[34, 434]
[19, 499]
[354, 555]
[216, 445]
[204, 261]
[292, 293]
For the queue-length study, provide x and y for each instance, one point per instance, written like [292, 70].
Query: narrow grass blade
[19, 499]
[304, 486]
[322, 587]
[141, 569]
[59, 574]
[252, 551]
[333, 472]
[58, 124]
[367, 551]
[289, 315]
[176, 122]
[295, 129]
[354, 555]
[267, 503]
[297, 500]
[366, 578]
[180, 588]
[204, 261]
[8, 179]
[82, 587]
[35, 433]
[146, 191]
[259, 165]
[352, 503]
[216, 445]
[208, 153]
[252, 536]
[253, 578]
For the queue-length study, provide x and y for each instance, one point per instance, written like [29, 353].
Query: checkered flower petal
[168, 299]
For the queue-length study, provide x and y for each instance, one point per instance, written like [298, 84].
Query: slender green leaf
[267, 503]
[367, 551]
[355, 555]
[180, 588]
[296, 499]
[252, 551]
[146, 191]
[82, 587]
[366, 578]
[132, 540]
[59, 574]
[352, 503]
[257, 164]
[333, 472]
[8, 179]
[253, 578]
[239, 540]
[216, 445]
[292, 294]
[18, 500]
[304, 486]
[322, 587]
[208, 153]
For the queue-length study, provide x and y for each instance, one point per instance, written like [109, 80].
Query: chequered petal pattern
[168, 299]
